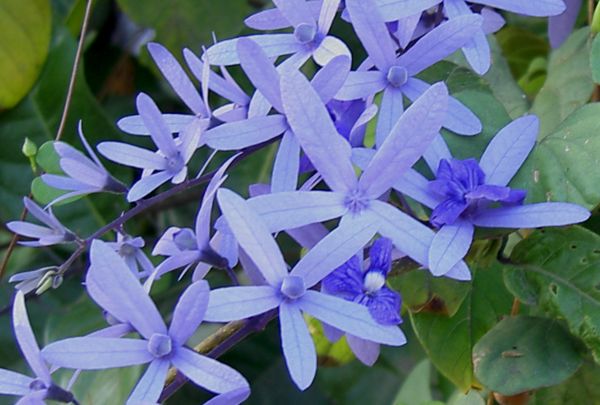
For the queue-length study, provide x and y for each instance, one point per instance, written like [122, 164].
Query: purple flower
[395, 75]
[310, 37]
[186, 246]
[186, 90]
[367, 287]
[560, 26]
[169, 163]
[31, 390]
[110, 283]
[83, 175]
[290, 292]
[467, 194]
[354, 199]
[461, 185]
[130, 249]
[53, 233]
[260, 127]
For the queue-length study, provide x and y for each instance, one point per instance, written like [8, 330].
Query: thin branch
[73, 79]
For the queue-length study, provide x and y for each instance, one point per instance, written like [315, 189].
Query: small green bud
[30, 150]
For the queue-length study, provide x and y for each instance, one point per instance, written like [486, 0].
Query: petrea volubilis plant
[380, 180]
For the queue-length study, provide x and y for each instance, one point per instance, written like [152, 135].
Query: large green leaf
[449, 341]
[564, 164]
[524, 353]
[559, 270]
[582, 388]
[569, 84]
[26, 27]
[188, 23]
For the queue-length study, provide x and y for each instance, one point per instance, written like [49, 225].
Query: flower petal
[177, 78]
[117, 290]
[241, 134]
[26, 339]
[410, 137]
[97, 353]
[508, 150]
[367, 21]
[328, 151]
[253, 236]
[189, 312]
[532, 216]
[350, 317]
[208, 373]
[149, 387]
[450, 244]
[335, 249]
[298, 347]
[234, 303]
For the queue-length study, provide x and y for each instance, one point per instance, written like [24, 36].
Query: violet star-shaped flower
[290, 292]
[169, 163]
[53, 233]
[354, 199]
[83, 175]
[110, 283]
[33, 391]
[256, 129]
[186, 246]
[226, 87]
[395, 75]
[310, 37]
[465, 194]
[367, 287]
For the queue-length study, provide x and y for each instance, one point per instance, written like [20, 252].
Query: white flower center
[373, 282]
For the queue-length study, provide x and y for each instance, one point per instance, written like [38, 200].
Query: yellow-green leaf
[26, 28]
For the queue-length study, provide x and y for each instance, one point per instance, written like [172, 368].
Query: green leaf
[569, 84]
[188, 23]
[595, 59]
[48, 159]
[524, 353]
[563, 165]
[416, 389]
[582, 388]
[26, 28]
[520, 47]
[558, 269]
[448, 341]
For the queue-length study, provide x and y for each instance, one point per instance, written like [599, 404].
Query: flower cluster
[322, 171]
